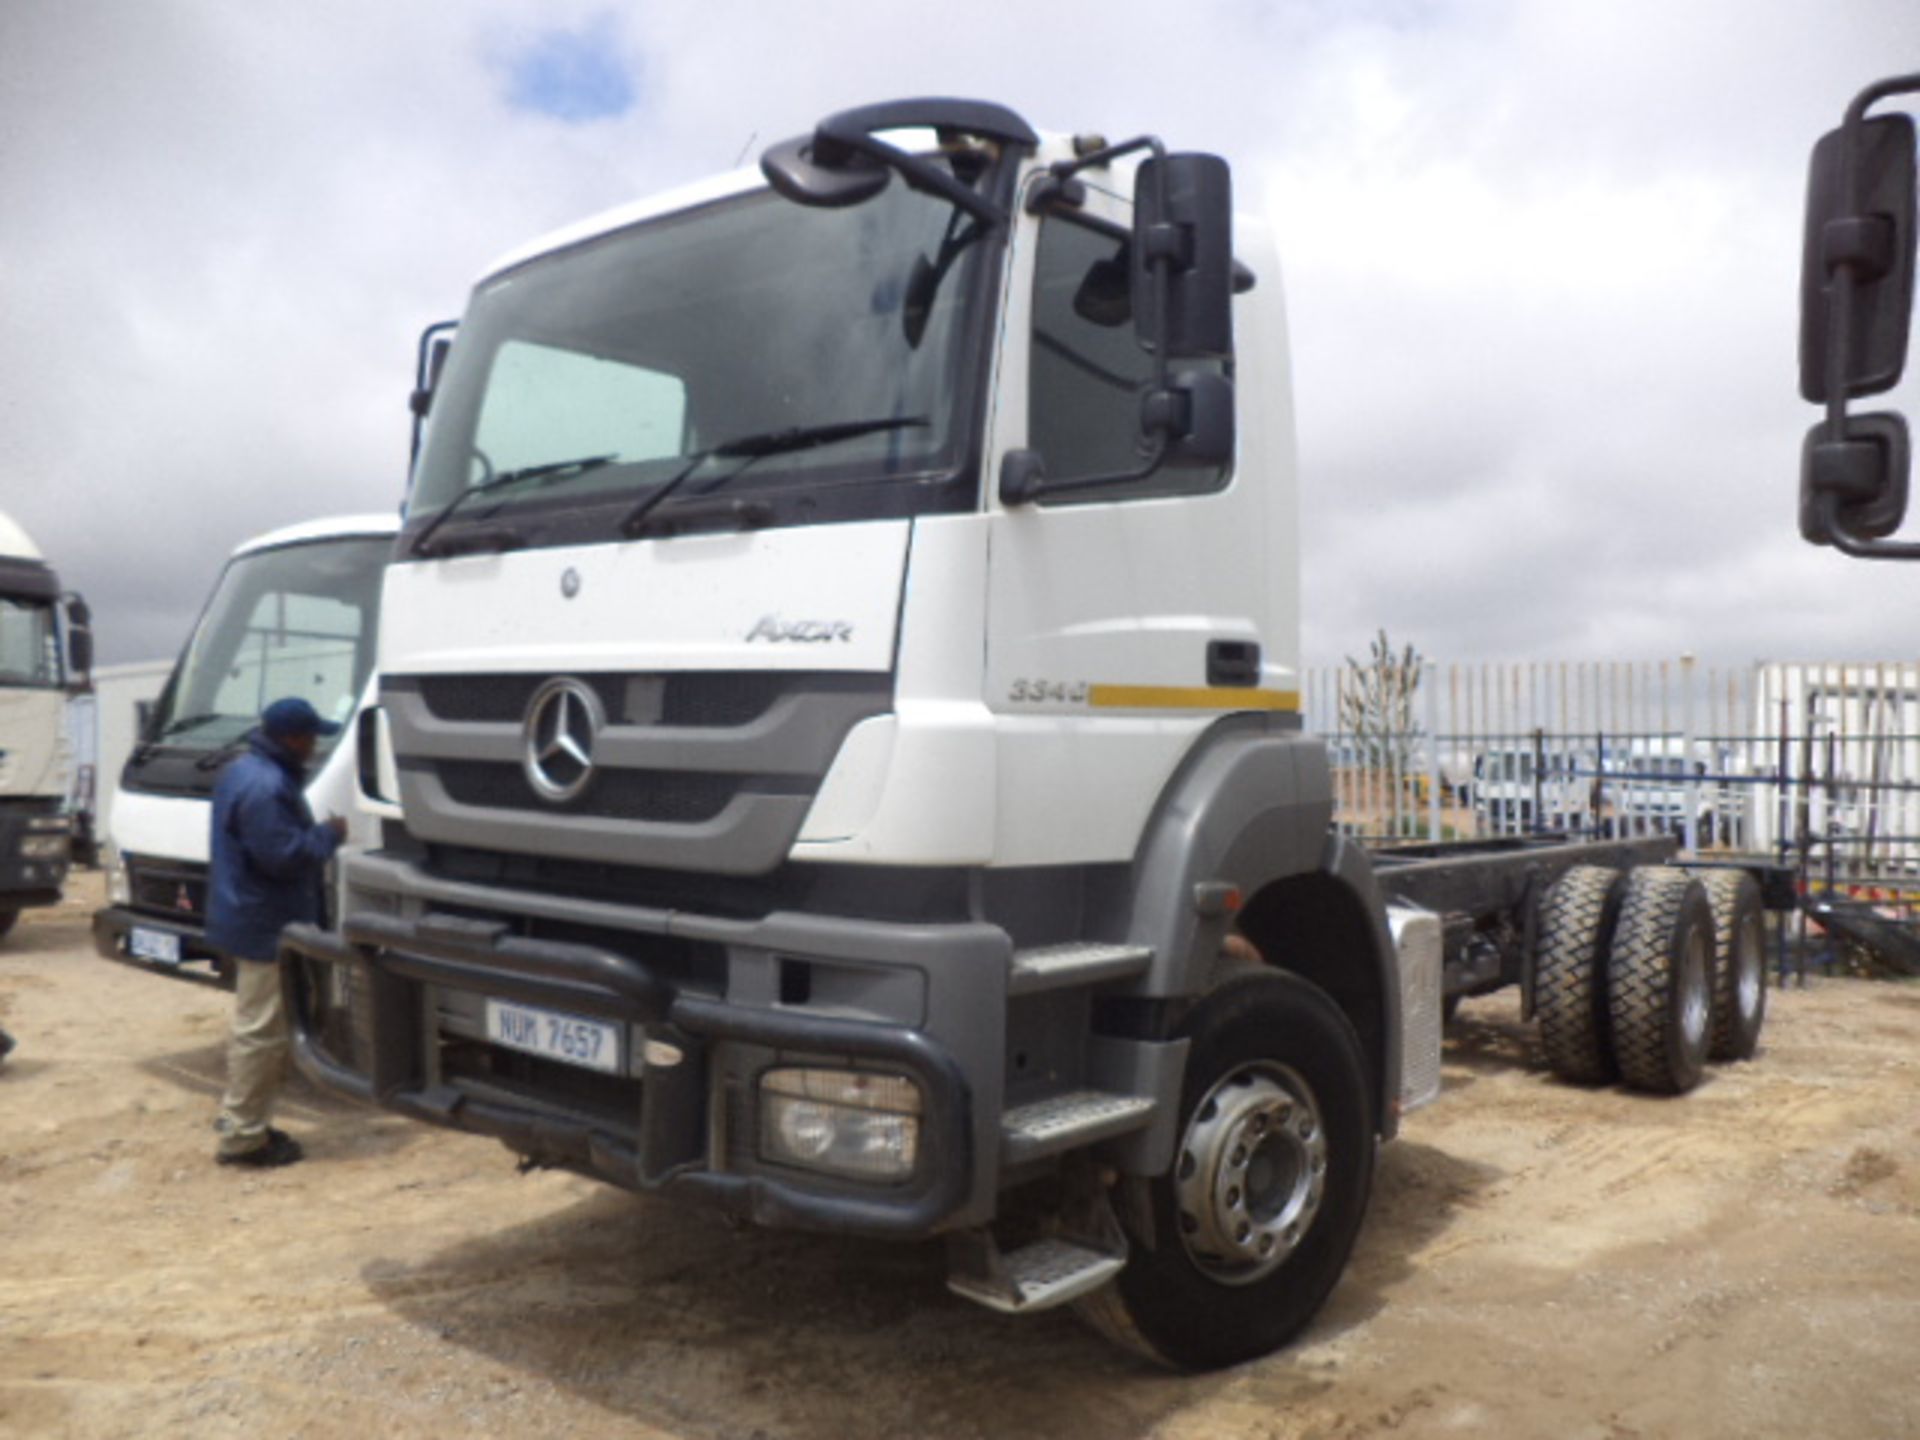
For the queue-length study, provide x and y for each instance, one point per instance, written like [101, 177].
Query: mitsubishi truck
[839, 758]
[37, 672]
[294, 612]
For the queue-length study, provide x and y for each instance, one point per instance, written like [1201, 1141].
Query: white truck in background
[838, 750]
[294, 612]
[37, 674]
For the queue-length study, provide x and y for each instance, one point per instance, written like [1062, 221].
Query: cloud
[1541, 267]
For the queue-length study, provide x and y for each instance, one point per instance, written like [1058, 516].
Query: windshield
[29, 646]
[745, 318]
[294, 620]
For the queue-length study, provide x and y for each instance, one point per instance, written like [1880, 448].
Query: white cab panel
[34, 751]
[823, 597]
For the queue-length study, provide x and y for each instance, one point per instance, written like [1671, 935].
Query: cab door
[1123, 619]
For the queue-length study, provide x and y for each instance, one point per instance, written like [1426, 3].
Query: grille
[697, 699]
[158, 888]
[676, 797]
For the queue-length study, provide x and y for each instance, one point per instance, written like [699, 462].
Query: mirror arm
[1848, 543]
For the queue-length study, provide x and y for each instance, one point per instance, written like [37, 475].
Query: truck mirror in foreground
[1856, 301]
[1183, 211]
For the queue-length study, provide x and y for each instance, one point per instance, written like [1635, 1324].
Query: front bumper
[682, 1118]
[113, 923]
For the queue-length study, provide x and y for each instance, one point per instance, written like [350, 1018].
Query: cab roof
[337, 527]
[15, 543]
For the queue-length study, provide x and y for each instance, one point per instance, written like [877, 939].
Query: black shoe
[279, 1149]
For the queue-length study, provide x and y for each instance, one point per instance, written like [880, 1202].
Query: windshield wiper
[186, 723]
[749, 448]
[550, 473]
[214, 759]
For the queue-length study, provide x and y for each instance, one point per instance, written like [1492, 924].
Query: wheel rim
[1695, 1002]
[1747, 977]
[1251, 1173]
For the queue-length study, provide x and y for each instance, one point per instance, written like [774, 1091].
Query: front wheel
[1249, 1231]
[7, 917]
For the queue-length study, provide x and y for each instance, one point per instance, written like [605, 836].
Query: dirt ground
[1539, 1261]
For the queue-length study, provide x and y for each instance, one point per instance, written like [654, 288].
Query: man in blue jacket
[268, 860]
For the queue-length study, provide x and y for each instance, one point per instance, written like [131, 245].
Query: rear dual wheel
[1625, 974]
[1660, 980]
[1740, 981]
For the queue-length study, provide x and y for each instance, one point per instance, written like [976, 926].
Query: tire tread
[1569, 999]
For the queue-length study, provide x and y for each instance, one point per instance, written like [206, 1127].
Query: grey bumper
[675, 1126]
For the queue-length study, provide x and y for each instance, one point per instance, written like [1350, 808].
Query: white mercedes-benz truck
[37, 673]
[839, 753]
[295, 612]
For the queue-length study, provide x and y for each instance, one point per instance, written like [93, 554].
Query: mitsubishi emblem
[563, 720]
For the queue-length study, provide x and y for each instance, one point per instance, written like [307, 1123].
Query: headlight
[43, 847]
[844, 1122]
[119, 888]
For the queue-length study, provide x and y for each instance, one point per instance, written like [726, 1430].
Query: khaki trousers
[257, 1057]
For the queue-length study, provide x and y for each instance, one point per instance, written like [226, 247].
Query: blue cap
[294, 716]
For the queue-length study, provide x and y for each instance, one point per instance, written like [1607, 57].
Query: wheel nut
[1233, 1198]
[1243, 1232]
[1266, 1244]
[1239, 1156]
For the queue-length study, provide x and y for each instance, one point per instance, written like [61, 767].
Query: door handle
[1233, 662]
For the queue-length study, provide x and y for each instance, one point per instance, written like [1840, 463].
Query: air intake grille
[697, 699]
[675, 797]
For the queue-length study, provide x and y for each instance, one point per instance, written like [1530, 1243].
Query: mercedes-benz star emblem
[563, 720]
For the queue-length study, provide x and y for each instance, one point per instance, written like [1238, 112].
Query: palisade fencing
[1814, 764]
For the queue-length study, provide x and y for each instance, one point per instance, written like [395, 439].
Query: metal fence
[1815, 764]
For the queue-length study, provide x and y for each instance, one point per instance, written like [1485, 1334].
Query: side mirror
[1865, 474]
[79, 640]
[1863, 231]
[1195, 413]
[1183, 226]
[436, 342]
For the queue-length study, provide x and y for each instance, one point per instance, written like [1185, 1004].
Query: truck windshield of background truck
[292, 620]
[753, 316]
[29, 643]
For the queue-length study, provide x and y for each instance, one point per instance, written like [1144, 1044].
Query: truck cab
[39, 667]
[294, 612]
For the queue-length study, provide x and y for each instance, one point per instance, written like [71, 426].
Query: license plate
[570, 1039]
[160, 946]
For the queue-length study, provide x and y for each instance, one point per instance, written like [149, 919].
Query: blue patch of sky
[577, 75]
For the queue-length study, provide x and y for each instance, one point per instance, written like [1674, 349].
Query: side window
[545, 404]
[1086, 371]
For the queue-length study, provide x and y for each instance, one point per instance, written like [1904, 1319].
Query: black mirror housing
[1865, 474]
[1873, 238]
[1183, 214]
[1206, 436]
[80, 653]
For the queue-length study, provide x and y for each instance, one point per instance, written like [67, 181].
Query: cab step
[1079, 962]
[1037, 1276]
[1069, 1121]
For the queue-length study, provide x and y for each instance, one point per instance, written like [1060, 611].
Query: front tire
[1250, 1229]
[7, 918]
[1660, 970]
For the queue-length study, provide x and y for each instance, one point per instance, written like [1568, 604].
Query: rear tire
[1569, 974]
[1740, 981]
[1252, 1226]
[1660, 969]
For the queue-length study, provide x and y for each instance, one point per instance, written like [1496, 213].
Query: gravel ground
[1540, 1260]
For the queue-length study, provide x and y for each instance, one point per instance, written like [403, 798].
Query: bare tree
[1376, 704]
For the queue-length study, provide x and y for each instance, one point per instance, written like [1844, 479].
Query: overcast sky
[1541, 267]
